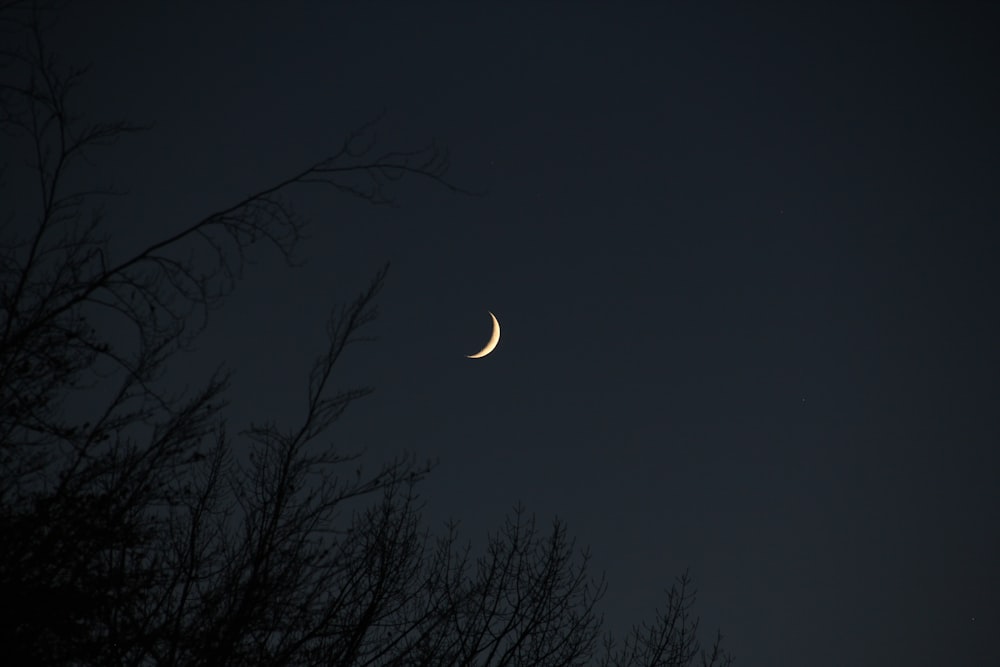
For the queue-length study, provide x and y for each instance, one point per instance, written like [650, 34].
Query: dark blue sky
[744, 258]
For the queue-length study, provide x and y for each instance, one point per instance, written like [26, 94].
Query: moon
[494, 339]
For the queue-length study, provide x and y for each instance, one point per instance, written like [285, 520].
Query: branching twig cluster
[130, 530]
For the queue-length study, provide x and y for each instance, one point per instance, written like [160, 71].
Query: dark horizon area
[744, 259]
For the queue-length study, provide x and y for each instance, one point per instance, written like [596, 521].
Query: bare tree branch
[138, 531]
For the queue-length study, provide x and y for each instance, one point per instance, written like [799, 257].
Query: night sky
[744, 258]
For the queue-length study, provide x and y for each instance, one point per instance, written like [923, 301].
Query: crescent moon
[494, 339]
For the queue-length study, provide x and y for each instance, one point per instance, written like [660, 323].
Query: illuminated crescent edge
[494, 339]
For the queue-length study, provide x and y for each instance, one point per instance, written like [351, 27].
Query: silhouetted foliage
[132, 534]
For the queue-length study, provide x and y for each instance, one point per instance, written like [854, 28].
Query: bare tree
[131, 533]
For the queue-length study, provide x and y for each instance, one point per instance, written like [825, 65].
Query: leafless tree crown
[134, 535]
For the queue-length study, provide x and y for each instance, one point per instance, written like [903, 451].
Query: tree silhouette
[131, 533]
